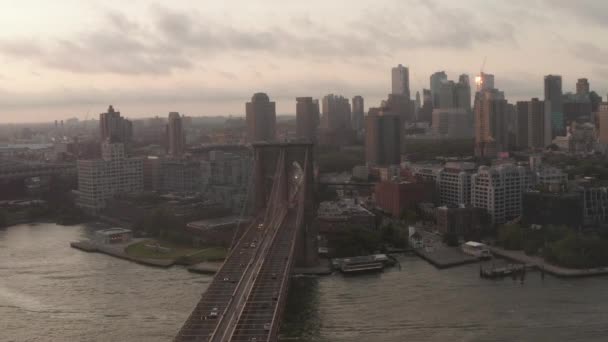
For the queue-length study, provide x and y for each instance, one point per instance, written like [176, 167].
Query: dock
[445, 257]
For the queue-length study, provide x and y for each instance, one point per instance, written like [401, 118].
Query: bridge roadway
[248, 271]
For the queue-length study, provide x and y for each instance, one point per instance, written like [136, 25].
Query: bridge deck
[265, 303]
[200, 325]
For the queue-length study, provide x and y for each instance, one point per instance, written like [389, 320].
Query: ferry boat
[476, 249]
[362, 264]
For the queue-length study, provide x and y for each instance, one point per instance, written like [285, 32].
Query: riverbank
[541, 264]
[118, 251]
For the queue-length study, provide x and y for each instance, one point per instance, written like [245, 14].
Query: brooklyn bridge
[247, 296]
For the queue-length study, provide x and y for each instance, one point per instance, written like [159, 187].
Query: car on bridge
[213, 313]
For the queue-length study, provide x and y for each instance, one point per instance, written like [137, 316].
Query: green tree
[510, 236]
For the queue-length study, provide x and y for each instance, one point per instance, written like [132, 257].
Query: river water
[51, 292]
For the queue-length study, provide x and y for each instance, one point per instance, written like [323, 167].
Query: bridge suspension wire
[244, 207]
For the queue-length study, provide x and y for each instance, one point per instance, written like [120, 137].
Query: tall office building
[426, 111]
[382, 138]
[307, 118]
[582, 86]
[336, 127]
[402, 106]
[261, 118]
[358, 113]
[462, 93]
[452, 123]
[539, 124]
[499, 190]
[446, 95]
[484, 81]
[436, 80]
[491, 135]
[401, 81]
[521, 124]
[175, 135]
[101, 179]
[417, 105]
[553, 99]
[114, 127]
[336, 112]
[602, 116]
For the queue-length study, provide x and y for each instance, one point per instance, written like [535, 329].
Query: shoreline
[89, 247]
[543, 266]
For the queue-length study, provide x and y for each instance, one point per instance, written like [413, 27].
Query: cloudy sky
[69, 58]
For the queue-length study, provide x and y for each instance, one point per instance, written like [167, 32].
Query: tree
[510, 236]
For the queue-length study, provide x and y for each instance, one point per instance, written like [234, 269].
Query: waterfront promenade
[540, 263]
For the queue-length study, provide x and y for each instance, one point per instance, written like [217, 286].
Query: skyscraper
[462, 93]
[336, 128]
[553, 98]
[261, 118]
[436, 80]
[426, 111]
[358, 113]
[539, 124]
[417, 105]
[521, 124]
[382, 138]
[336, 112]
[401, 81]
[490, 123]
[446, 95]
[602, 116]
[307, 118]
[115, 128]
[582, 86]
[484, 81]
[175, 135]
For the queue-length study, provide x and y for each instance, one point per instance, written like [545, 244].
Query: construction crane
[479, 78]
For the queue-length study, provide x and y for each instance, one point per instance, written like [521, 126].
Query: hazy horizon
[72, 59]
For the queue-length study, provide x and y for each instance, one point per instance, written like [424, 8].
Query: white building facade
[499, 190]
[454, 183]
[100, 179]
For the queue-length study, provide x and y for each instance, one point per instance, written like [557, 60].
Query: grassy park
[155, 249]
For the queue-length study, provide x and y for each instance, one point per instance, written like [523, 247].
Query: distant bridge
[247, 296]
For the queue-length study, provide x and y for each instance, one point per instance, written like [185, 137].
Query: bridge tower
[295, 156]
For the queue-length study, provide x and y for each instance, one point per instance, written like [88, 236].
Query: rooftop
[221, 222]
[112, 231]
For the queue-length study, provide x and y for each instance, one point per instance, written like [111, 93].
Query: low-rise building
[463, 221]
[113, 236]
[337, 216]
[396, 197]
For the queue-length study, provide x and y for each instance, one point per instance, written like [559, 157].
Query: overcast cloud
[212, 57]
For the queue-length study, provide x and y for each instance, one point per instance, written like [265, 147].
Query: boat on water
[362, 264]
[476, 249]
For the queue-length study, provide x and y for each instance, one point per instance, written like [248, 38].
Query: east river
[51, 292]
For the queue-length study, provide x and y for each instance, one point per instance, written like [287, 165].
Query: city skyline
[150, 59]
